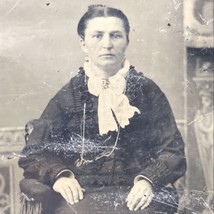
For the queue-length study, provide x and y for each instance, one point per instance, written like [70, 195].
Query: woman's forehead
[105, 24]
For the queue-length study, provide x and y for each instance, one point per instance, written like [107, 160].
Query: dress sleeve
[37, 160]
[168, 162]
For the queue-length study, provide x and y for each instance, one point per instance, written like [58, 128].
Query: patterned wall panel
[11, 143]
[11, 139]
[6, 190]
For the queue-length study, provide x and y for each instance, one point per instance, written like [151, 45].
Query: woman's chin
[109, 64]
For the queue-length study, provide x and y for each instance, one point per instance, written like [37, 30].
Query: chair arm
[34, 190]
[35, 197]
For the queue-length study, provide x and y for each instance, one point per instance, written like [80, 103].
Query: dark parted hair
[101, 11]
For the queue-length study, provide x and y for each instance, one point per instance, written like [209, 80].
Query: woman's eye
[116, 36]
[98, 36]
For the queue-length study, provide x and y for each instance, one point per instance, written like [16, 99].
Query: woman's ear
[82, 44]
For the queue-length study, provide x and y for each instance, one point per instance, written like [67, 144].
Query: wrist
[142, 177]
[65, 173]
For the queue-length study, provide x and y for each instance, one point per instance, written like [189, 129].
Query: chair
[35, 196]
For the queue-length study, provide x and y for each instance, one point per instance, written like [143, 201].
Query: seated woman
[107, 142]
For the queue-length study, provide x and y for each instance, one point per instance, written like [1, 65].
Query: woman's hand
[69, 188]
[140, 195]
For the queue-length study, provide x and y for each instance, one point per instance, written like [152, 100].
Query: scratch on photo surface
[175, 205]
[14, 7]
[19, 96]
[207, 22]
[34, 109]
[71, 206]
[171, 205]
[199, 119]
[4, 209]
[45, 83]
[207, 206]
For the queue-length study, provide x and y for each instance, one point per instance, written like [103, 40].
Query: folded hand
[140, 195]
[69, 188]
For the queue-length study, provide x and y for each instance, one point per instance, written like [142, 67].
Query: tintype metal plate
[171, 42]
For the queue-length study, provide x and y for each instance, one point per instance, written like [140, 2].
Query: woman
[109, 132]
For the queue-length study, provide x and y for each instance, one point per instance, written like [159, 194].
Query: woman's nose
[107, 43]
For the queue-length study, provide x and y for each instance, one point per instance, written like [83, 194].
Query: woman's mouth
[107, 55]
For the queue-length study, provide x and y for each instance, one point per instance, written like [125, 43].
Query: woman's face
[105, 42]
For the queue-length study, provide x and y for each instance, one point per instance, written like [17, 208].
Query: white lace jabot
[111, 99]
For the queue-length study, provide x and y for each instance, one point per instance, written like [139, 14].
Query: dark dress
[150, 145]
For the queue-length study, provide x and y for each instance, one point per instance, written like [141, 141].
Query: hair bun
[93, 6]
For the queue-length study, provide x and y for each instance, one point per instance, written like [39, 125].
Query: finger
[56, 188]
[134, 201]
[141, 203]
[133, 192]
[64, 195]
[79, 190]
[69, 195]
[149, 200]
[75, 193]
[130, 198]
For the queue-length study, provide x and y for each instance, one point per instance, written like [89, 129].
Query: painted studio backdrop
[170, 42]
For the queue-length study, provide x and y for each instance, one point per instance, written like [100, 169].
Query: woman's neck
[104, 73]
